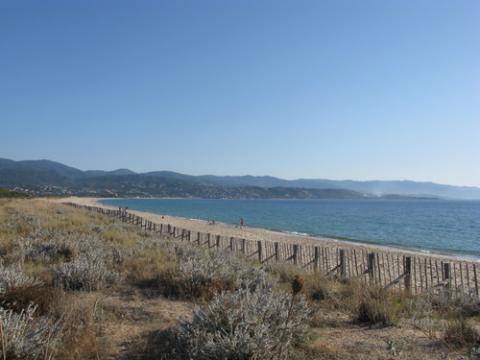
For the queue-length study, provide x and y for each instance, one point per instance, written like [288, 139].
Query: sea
[431, 226]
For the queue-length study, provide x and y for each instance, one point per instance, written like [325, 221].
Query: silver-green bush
[87, 272]
[245, 324]
[13, 277]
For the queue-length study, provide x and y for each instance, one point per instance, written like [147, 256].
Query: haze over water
[449, 227]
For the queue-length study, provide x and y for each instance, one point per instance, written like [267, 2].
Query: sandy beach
[252, 233]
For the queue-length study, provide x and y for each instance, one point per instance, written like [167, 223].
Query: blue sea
[439, 226]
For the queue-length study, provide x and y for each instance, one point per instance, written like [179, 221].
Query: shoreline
[254, 233]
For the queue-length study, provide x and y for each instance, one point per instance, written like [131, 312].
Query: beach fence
[389, 269]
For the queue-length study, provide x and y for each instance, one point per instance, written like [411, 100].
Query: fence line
[413, 273]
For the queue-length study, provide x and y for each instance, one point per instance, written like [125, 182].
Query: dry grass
[461, 334]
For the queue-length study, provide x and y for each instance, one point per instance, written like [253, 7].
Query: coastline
[254, 233]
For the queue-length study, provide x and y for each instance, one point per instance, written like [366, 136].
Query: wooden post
[356, 264]
[277, 255]
[446, 273]
[461, 274]
[208, 240]
[371, 266]
[316, 258]
[295, 253]
[218, 242]
[189, 236]
[231, 243]
[243, 247]
[324, 261]
[431, 272]
[475, 278]
[183, 234]
[408, 273]
[259, 250]
[426, 274]
[468, 277]
[342, 264]
[379, 270]
[454, 273]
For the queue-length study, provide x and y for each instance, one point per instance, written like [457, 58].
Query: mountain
[375, 187]
[49, 177]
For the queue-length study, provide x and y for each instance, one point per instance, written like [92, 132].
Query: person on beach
[241, 222]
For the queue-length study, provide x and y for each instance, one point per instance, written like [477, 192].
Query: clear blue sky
[326, 89]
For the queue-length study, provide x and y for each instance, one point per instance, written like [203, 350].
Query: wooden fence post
[218, 242]
[295, 254]
[316, 258]
[475, 278]
[259, 250]
[243, 247]
[231, 243]
[277, 255]
[208, 240]
[198, 237]
[371, 266]
[408, 272]
[446, 273]
[342, 264]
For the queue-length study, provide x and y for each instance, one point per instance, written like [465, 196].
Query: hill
[49, 177]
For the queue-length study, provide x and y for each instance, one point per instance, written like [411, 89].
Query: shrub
[50, 251]
[460, 333]
[85, 273]
[447, 301]
[246, 324]
[45, 298]
[372, 306]
[13, 277]
[24, 336]
[198, 273]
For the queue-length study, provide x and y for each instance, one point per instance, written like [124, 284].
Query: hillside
[44, 177]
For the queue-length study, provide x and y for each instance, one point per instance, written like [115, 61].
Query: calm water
[437, 225]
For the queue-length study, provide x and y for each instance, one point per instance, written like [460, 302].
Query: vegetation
[8, 194]
[78, 285]
[49, 177]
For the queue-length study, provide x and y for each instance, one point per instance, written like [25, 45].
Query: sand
[252, 233]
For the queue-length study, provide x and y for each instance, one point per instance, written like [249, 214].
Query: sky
[296, 89]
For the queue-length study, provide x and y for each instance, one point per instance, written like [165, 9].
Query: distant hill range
[45, 177]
